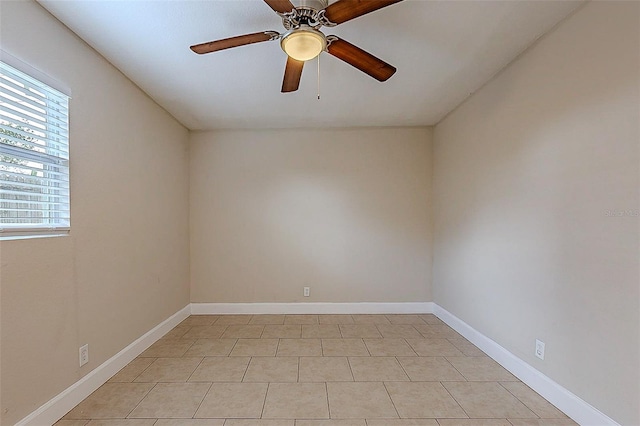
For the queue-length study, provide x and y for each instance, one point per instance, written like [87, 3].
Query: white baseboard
[579, 410]
[54, 409]
[313, 308]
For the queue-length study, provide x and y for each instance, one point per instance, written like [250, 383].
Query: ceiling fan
[303, 40]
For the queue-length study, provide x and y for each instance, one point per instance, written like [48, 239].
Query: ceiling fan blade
[345, 10]
[280, 6]
[364, 61]
[214, 46]
[292, 74]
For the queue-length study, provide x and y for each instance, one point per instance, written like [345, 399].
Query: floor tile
[122, 422]
[431, 319]
[171, 400]
[177, 332]
[389, 347]
[363, 331]
[282, 331]
[199, 320]
[481, 369]
[267, 319]
[296, 400]
[220, 369]
[370, 319]
[533, 401]
[487, 400]
[211, 347]
[189, 422]
[402, 422]
[111, 400]
[324, 369]
[405, 319]
[132, 370]
[335, 319]
[270, 369]
[474, 422]
[437, 331]
[423, 400]
[233, 320]
[542, 422]
[255, 347]
[169, 370]
[299, 347]
[233, 400]
[168, 348]
[204, 332]
[235, 363]
[259, 422]
[375, 369]
[344, 347]
[434, 347]
[398, 331]
[301, 319]
[243, 331]
[359, 400]
[429, 369]
[326, 331]
[466, 347]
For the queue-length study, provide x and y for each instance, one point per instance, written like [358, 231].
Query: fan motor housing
[311, 4]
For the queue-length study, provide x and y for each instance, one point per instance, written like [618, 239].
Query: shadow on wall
[347, 208]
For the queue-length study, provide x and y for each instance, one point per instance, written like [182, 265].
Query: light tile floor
[314, 370]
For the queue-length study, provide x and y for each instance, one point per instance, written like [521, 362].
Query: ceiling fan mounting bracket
[306, 12]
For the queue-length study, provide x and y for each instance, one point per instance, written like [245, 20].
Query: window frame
[40, 201]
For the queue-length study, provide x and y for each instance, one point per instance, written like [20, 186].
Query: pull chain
[318, 77]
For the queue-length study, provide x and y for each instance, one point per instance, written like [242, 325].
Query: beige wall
[525, 172]
[345, 212]
[124, 267]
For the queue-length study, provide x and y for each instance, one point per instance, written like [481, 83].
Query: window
[34, 156]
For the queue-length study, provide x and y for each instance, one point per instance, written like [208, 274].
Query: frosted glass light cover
[303, 45]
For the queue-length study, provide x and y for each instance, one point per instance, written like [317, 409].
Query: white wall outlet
[84, 354]
[540, 349]
[306, 291]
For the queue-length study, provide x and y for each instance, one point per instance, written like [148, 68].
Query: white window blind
[34, 156]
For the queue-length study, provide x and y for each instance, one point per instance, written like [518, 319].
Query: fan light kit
[303, 40]
[304, 43]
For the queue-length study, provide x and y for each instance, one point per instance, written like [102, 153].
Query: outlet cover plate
[540, 349]
[84, 354]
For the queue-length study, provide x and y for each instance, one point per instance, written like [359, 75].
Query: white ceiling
[443, 50]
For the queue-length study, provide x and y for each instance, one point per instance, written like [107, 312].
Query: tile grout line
[384, 384]
[454, 398]
[142, 399]
[202, 400]
[194, 370]
[454, 367]
[264, 402]
[516, 397]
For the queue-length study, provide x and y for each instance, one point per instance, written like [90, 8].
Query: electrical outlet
[84, 354]
[306, 291]
[540, 349]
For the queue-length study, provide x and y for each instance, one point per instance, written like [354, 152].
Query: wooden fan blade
[214, 46]
[292, 74]
[280, 6]
[364, 61]
[345, 10]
